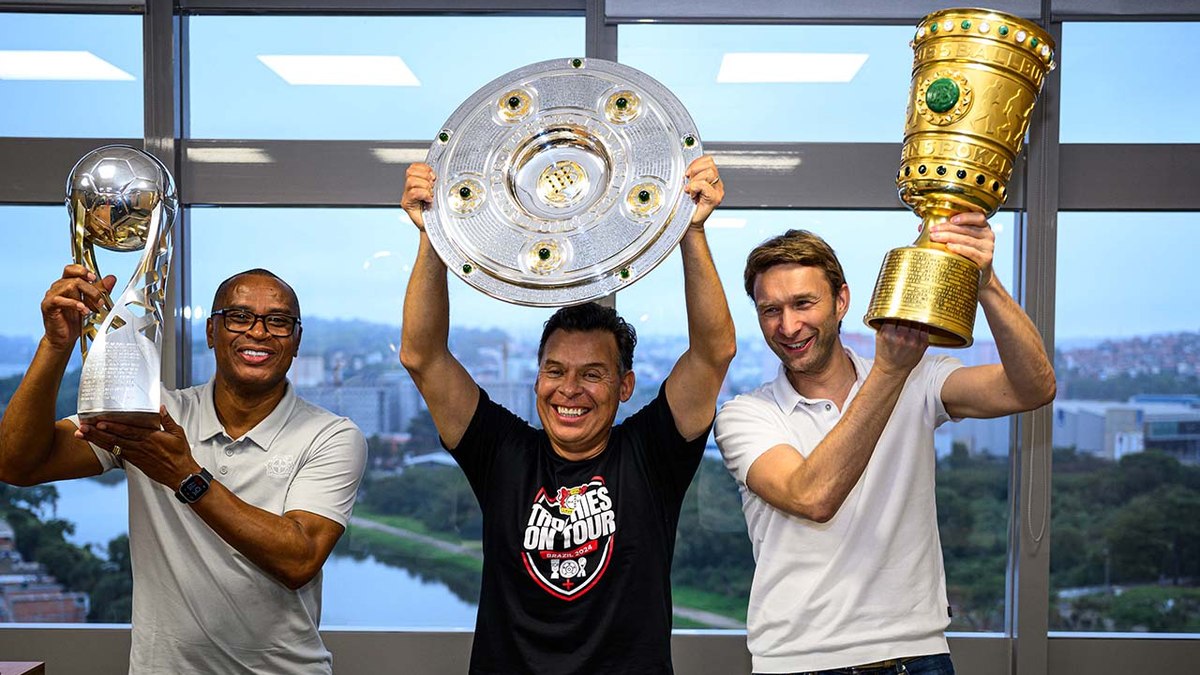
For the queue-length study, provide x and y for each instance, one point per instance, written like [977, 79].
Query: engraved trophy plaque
[561, 182]
[123, 199]
[976, 76]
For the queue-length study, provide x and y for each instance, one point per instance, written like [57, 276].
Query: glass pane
[972, 455]
[1108, 71]
[71, 75]
[418, 70]
[351, 289]
[780, 83]
[1125, 541]
[71, 533]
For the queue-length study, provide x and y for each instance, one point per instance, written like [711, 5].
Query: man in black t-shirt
[579, 517]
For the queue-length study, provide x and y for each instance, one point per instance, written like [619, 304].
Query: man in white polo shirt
[234, 503]
[835, 461]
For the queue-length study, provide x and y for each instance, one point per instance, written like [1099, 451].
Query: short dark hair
[592, 316]
[799, 247]
[223, 287]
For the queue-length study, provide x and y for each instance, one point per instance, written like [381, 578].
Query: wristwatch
[194, 486]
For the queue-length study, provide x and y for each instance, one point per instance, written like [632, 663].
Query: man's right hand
[418, 192]
[71, 298]
[899, 347]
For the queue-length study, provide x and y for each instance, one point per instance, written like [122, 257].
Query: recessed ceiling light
[57, 65]
[780, 67]
[362, 71]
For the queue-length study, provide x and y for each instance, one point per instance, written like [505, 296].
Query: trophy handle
[85, 254]
[120, 380]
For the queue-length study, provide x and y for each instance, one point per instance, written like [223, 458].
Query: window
[291, 77]
[1126, 539]
[71, 75]
[1109, 95]
[67, 534]
[780, 83]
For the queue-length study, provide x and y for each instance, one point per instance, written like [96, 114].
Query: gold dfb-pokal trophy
[976, 76]
[123, 199]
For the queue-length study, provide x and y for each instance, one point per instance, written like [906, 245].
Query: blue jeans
[937, 664]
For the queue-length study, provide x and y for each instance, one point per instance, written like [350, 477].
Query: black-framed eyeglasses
[241, 321]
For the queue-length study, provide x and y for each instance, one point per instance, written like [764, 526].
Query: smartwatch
[194, 486]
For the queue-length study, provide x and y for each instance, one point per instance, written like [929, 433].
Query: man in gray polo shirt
[234, 503]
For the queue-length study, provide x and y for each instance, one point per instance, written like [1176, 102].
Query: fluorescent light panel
[230, 156]
[725, 223]
[788, 67]
[361, 71]
[57, 65]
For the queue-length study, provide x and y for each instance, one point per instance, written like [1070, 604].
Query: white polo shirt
[868, 585]
[201, 607]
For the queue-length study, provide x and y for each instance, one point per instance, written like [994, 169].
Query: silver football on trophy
[561, 182]
[117, 188]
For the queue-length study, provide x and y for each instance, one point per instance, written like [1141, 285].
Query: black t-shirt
[577, 555]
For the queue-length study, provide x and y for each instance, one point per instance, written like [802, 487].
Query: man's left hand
[969, 235]
[705, 188]
[164, 455]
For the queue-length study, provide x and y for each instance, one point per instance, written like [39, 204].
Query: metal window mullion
[1028, 601]
[161, 75]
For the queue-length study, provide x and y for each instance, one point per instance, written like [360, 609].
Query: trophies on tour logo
[123, 199]
[976, 76]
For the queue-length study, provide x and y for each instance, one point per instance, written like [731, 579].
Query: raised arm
[815, 487]
[1024, 378]
[448, 389]
[34, 447]
[695, 381]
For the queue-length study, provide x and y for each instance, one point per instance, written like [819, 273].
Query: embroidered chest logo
[280, 466]
[569, 538]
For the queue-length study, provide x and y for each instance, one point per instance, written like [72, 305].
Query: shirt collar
[787, 398]
[263, 434]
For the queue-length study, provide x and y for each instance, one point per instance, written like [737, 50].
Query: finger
[168, 423]
[701, 191]
[126, 430]
[95, 436]
[110, 282]
[973, 219]
[61, 304]
[419, 194]
[78, 289]
[701, 163]
[77, 271]
[420, 172]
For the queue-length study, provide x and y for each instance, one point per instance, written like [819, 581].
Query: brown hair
[799, 247]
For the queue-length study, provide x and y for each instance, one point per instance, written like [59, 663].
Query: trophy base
[134, 418]
[928, 286]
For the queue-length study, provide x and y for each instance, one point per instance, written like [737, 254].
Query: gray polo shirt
[199, 606]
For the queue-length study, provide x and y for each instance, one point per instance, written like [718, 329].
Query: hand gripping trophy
[123, 199]
[976, 76]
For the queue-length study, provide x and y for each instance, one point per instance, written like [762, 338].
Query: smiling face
[579, 387]
[799, 313]
[254, 361]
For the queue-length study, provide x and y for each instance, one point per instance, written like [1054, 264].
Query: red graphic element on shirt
[568, 539]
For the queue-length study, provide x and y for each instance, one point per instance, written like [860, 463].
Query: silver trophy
[561, 182]
[123, 199]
